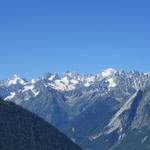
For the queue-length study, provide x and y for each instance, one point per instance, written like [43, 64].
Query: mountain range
[101, 111]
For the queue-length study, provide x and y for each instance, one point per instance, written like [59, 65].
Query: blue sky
[38, 36]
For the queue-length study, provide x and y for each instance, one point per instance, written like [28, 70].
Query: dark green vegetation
[22, 130]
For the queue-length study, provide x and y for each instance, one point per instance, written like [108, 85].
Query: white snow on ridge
[51, 77]
[33, 81]
[87, 84]
[64, 83]
[68, 81]
[112, 82]
[71, 80]
[14, 80]
[12, 95]
[108, 72]
[36, 93]
[32, 89]
[74, 81]
[28, 87]
[89, 80]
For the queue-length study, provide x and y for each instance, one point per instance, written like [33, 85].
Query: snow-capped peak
[148, 73]
[71, 74]
[109, 75]
[15, 79]
[108, 72]
[112, 82]
[105, 81]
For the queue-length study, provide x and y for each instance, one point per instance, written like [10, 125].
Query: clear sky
[38, 36]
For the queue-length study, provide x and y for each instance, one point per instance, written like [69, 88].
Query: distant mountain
[134, 128]
[104, 126]
[51, 106]
[18, 89]
[22, 130]
[87, 127]
[93, 110]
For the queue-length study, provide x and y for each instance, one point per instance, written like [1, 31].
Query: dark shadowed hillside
[22, 130]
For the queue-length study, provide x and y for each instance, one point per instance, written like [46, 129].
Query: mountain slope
[138, 134]
[22, 130]
[51, 106]
[106, 125]
[137, 139]
[96, 111]
[73, 93]
[88, 126]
